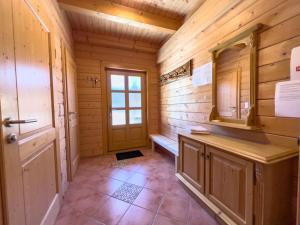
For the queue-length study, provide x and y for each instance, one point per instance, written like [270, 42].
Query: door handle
[8, 121]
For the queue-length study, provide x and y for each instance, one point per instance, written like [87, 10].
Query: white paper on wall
[287, 99]
[295, 64]
[202, 75]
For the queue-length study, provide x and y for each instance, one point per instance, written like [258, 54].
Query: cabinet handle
[202, 154]
[207, 156]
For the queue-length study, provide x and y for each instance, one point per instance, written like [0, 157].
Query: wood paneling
[116, 12]
[114, 42]
[273, 66]
[89, 60]
[113, 28]
[168, 8]
[183, 105]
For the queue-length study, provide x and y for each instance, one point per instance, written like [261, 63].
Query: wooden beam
[122, 14]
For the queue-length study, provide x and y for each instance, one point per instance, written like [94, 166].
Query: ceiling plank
[114, 42]
[122, 14]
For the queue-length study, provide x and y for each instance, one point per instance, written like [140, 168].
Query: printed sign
[295, 64]
[202, 75]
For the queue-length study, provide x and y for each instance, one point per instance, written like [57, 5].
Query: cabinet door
[229, 184]
[192, 162]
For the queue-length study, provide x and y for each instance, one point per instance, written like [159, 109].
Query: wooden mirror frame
[237, 42]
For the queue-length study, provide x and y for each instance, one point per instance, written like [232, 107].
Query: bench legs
[153, 146]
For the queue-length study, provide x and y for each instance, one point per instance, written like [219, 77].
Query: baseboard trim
[52, 213]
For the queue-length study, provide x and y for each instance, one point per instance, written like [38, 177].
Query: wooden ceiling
[152, 21]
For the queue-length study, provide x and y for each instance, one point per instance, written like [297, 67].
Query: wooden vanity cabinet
[229, 184]
[237, 188]
[192, 162]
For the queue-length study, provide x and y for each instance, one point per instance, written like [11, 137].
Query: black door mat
[129, 155]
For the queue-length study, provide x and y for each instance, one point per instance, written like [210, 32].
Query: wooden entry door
[31, 181]
[71, 116]
[126, 109]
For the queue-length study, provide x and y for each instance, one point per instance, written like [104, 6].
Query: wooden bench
[167, 143]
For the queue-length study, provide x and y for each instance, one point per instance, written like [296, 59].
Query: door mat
[129, 155]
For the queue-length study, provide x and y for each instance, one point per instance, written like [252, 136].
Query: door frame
[70, 171]
[104, 91]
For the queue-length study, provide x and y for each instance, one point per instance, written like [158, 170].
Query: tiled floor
[147, 185]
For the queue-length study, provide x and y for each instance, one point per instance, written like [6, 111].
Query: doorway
[127, 117]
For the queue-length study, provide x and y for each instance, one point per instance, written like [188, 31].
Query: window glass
[117, 100]
[134, 83]
[117, 82]
[135, 100]
[135, 116]
[118, 117]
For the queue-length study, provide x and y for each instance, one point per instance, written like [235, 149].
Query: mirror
[234, 81]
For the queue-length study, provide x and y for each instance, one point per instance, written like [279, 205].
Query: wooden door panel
[192, 162]
[32, 144]
[30, 167]
[127, 132]
[32, 67]
[39, 185]
[229, 184]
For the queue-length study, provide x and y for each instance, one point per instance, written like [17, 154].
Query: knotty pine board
[183, 105]
[88, 60]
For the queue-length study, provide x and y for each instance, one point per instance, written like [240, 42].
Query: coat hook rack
[94, 80]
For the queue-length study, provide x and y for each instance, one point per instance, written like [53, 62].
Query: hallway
[138, 191]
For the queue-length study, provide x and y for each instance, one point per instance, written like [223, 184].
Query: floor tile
[157, 184]
[138, 179]
[116, 173]
[177, 189]
[90, 205]
[76, 218]
[162, 220]
[107, 186]
[111, 211]
[127, 192]
[199, 216]
[75, 193]
[160, 199]
[149, 199]
[137, 216]
[175, 207]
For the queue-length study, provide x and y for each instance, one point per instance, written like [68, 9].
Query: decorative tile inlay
[128, 192]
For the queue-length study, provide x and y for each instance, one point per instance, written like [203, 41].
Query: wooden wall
[89, 58]
[182, 104]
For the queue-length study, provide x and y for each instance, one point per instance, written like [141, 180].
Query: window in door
[127, 109]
